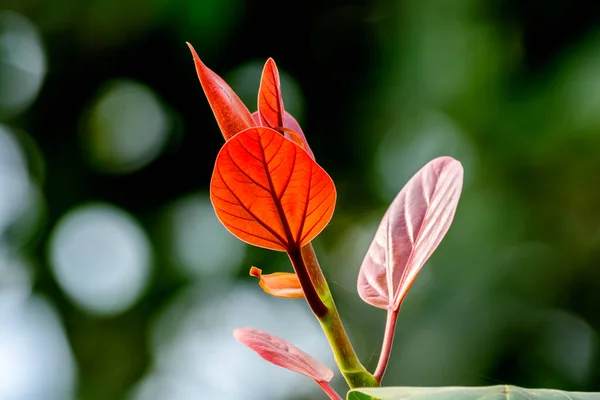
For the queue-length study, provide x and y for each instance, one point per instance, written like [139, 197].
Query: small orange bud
[279, 284]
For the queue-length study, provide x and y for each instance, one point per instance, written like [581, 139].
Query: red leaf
[231, 114]
[270, 101]
[269, 192]
[410, 231]
[290, 123]
[279, 352]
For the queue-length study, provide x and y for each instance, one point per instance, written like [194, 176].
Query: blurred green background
[118, 282]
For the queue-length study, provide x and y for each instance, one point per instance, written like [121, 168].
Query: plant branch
[329, 390]
[354, 372]
[386, 348]
[314, 300]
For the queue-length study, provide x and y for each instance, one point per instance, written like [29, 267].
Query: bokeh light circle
[35, 357]
[126, 127]
[22, 63]
[200, 244]
[15, 187]
[100, 257]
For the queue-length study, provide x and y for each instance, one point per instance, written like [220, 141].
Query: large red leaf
[231, 114]
[279, 352]
[270, 101]
[269, 192]
[410, 231]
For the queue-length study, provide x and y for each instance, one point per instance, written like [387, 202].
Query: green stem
[324, 309]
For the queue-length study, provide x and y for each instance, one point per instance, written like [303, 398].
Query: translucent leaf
[270, 101]
[279, 352]
[269, 192]
[230, 112]
[410, 231]
[291, 130]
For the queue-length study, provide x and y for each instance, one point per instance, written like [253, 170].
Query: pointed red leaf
[410, 231]
[270, 101]
[269, 192]
[279, 352]
[231, 114]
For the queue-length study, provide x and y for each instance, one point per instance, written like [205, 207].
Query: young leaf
[269, 192]
[289, 124]
[294, 137]
[279, 352]
[410, 231]
[279, 284]
[231, 114]
[270, 101]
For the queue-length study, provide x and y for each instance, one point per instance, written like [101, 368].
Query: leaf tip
[271, 63]
[194, 54]
[447, 161]
[238, 334]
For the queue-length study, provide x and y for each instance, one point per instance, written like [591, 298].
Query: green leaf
[500, 392]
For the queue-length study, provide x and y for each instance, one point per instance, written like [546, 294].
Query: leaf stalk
[329, 390]
[388, 341]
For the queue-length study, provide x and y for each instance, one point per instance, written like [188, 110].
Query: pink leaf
[409, 232]
[279, 352]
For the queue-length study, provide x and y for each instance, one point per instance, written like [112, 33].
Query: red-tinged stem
[386, 348]
[329, 390]
[315, 272]
[318, 296]
[313, 299]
